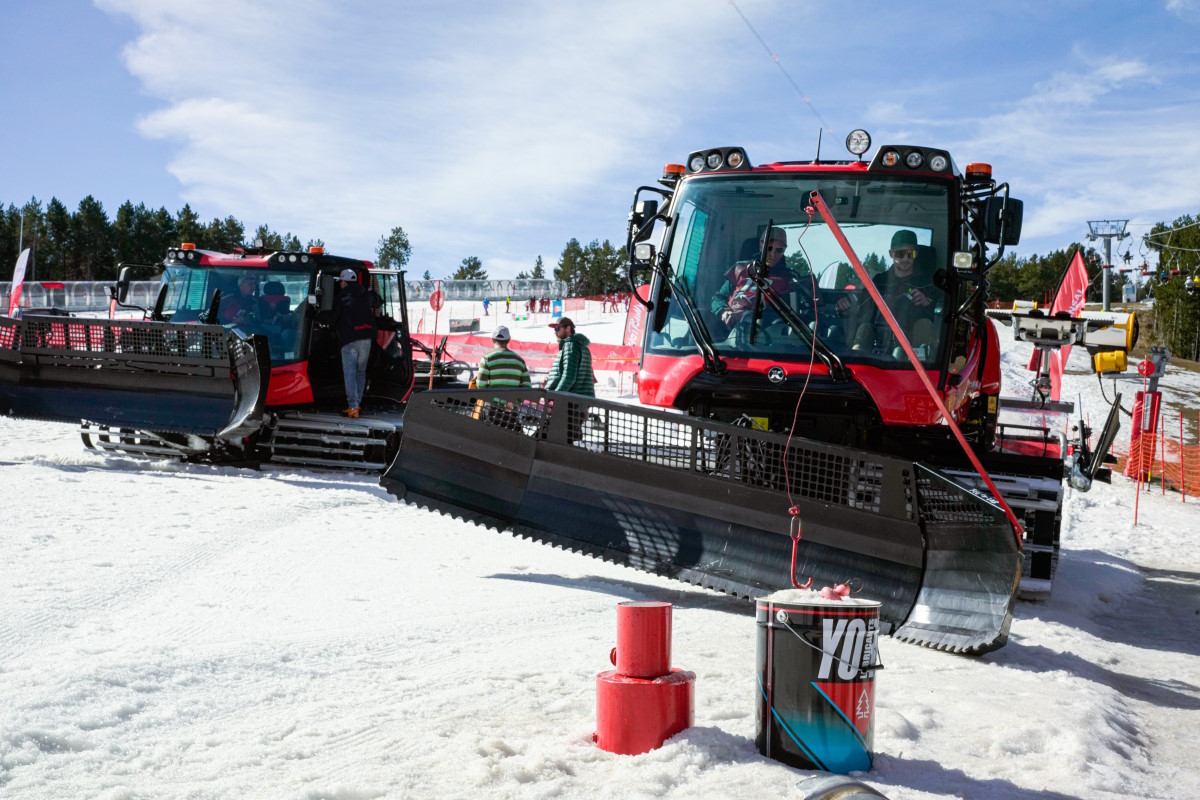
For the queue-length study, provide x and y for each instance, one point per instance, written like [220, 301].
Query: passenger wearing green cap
[911, 296]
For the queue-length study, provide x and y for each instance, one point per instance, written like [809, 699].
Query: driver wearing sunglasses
[911, 298]
[738, 293]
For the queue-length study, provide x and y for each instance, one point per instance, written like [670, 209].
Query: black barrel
[816, 681]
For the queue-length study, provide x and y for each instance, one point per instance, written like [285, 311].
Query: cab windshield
[257, 301]
[899, 229]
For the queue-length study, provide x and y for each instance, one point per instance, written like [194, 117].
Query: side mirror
[643, 211]
[123, 280]
[1006, 211]
[325, 291]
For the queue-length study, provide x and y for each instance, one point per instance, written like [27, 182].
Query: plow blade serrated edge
[706, 503]
[194, 379]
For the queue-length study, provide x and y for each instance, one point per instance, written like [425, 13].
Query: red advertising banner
[635, 319]
[538, 355]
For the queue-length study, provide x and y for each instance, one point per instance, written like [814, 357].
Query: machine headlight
[714, 160]
[858, 141]
[890, 159]
[735, 159]
[696, 164]
[914, 159]
[938, 163]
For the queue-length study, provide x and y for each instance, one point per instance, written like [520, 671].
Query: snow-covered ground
[171, 631]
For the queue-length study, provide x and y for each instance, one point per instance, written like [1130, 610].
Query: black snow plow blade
[193, 379]
[707, 503]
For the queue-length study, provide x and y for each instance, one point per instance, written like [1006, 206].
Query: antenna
[817, 160]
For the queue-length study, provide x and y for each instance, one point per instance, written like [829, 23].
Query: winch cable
[819, 203]
[794, 510]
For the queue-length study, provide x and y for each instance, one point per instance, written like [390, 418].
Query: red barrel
[636, 715]
[643, 639]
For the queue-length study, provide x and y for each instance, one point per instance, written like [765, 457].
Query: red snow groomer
[817, 332]
[232, 363]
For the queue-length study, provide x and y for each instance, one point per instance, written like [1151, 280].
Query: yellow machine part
[1111, 361]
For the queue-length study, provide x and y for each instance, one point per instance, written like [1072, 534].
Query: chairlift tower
[1107, 229]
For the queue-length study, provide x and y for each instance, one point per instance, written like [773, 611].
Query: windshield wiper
[759, 272]
[713, 363]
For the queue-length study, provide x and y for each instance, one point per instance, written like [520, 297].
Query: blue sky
[500, 130]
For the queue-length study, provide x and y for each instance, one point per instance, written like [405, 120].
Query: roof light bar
[926, 159]
[718, 159]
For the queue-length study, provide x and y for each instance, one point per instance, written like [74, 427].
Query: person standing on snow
[486, 303]
[354, 320]
[502, 368]
[572, 368]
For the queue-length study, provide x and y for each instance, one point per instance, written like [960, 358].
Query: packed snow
[181, 631]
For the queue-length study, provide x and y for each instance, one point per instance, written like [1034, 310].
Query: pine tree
[471, 270]
[92, 241]
[187, 225]
[393, 250]
[224, 235]
[874, 264]
[269, 238]
[539, 270]
[570, 267]
[56, 262]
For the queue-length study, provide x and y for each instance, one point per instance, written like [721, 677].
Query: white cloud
[465, 124]
[1092, 144]
[1186, 9]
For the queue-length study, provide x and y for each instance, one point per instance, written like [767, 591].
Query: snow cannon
[643, 702]
[1146, 410]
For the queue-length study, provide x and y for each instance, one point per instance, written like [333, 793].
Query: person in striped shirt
[502, 368]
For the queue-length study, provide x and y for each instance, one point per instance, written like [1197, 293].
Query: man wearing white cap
[354, 319]
[502, 368]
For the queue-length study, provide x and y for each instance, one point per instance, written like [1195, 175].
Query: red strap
[819, 204]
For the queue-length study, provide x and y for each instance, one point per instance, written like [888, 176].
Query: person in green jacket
[572, 368]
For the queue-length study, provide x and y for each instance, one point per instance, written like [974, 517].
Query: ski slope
[175, 631]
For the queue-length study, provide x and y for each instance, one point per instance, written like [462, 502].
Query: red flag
[1069, 297]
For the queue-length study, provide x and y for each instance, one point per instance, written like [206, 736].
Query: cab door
[390, 370]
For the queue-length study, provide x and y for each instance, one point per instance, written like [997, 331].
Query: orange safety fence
[1164, 458]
